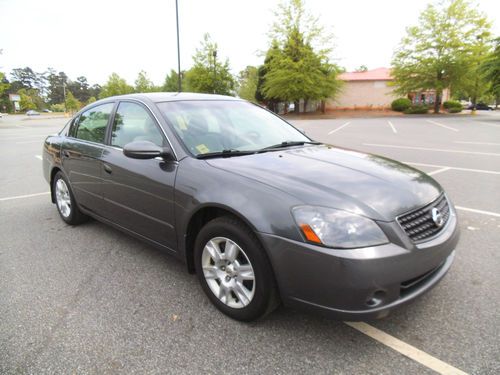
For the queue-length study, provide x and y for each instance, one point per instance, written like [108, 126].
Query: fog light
[376, 298]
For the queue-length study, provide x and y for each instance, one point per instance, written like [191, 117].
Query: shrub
[401, 104]
[57, 107]
[417, 109]
[453, 106]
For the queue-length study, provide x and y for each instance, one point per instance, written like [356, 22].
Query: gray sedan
[260, 212]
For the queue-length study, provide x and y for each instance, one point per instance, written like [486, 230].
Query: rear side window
[92, 123]
[133, 123]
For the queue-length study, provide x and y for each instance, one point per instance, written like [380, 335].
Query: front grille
[419, 224]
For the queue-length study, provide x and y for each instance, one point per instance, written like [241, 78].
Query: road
[90, 299]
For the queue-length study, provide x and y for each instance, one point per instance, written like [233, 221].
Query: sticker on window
[202, 149]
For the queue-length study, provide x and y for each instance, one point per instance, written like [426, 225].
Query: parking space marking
[24, 196]
[486, 123]
[478, 143]
[443, 126]
[444, 169]
[406, 349]
[392, 127]
[340, 127]
[38, 157]
[454, 168]
[22, 143]
[489, 213]
[433, 149]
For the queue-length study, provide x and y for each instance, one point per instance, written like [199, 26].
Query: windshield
[215, 126]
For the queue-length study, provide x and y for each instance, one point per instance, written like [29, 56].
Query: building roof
[379, 74]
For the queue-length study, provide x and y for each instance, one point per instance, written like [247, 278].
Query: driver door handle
[108, 169]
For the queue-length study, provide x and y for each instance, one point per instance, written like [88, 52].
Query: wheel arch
[53, 173]
[198, 219]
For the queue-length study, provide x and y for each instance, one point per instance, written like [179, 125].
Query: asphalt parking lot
[90, 299]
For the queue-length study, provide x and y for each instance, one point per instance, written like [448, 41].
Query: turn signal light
[309, 233]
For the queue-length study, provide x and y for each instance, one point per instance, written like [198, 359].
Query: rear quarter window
[91, 125]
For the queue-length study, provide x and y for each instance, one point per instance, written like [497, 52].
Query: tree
[27, 101]
[490, 69]
[361, 68]
[247, 83]
[143, 83]
[440, 51]
[4, 83]
[298, 65]
[79, 88]
[208, 74]
[115, 86]
[56, 86]
[25, 76]
[72, 104]
[171, 83]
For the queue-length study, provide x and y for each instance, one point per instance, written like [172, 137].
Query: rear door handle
[108, 169]
[66, 153]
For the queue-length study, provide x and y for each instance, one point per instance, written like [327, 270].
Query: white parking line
[22, 143]
[489, 213]
[478, 143]
[438, 171]
[455, 168]
[340, 127]
[433, 149]
[38, 157]
[486, 123]
[406, 349]
[23, 196]
[443, 126]
[392, 127]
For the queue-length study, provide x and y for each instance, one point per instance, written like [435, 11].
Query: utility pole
[214, 53]
[178, 49]
[64, 94]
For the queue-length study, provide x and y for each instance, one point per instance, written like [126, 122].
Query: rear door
[139, 194]
[81, 155]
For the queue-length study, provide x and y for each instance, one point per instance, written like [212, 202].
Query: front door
[139, 194]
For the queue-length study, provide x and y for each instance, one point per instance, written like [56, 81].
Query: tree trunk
[437, 101]
[305, 105]
[296, 110]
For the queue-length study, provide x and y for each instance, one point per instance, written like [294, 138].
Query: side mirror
[145, 150]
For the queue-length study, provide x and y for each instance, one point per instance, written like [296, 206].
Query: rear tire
[234, 271]
[65, 201]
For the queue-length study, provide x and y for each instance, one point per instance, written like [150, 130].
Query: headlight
[336, 228]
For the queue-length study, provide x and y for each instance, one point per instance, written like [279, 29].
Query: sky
[97, 37]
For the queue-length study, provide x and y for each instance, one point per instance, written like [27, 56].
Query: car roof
[158, 97]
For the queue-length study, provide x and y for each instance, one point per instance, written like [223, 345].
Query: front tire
[65, 201]
[234, 271]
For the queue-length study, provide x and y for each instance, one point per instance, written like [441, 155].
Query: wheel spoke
[210, 272]
[231, 251]
[245, 272]
[213, 249]
[243, 294]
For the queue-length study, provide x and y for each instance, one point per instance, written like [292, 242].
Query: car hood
[329, 176]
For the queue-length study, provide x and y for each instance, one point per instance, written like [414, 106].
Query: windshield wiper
[224, 154]
[290, 144]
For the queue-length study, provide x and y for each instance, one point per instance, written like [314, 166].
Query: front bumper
[359, 284]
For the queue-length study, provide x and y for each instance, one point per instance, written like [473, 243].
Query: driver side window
[133, 123]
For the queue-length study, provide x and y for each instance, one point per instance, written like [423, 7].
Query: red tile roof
[379, 74]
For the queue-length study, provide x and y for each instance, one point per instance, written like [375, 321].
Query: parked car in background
[259, 211]
[481, 107]
[32, 113]
[46, 110]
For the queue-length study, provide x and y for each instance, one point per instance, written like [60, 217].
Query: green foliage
[143, 83]
[72, 104]
[441, 50]
[209, 75]
[455, 110]
[79, 88]
[91, 100]
[247, 83]
[57, 107]
[297, 65]
[56, 84]
[401, 104]
[4, 84]
[115, 86]
[27, 101]
[171, 83]
[490, 69]
[204, 76]
[362, 68]
[417, 109]
[452, 104]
